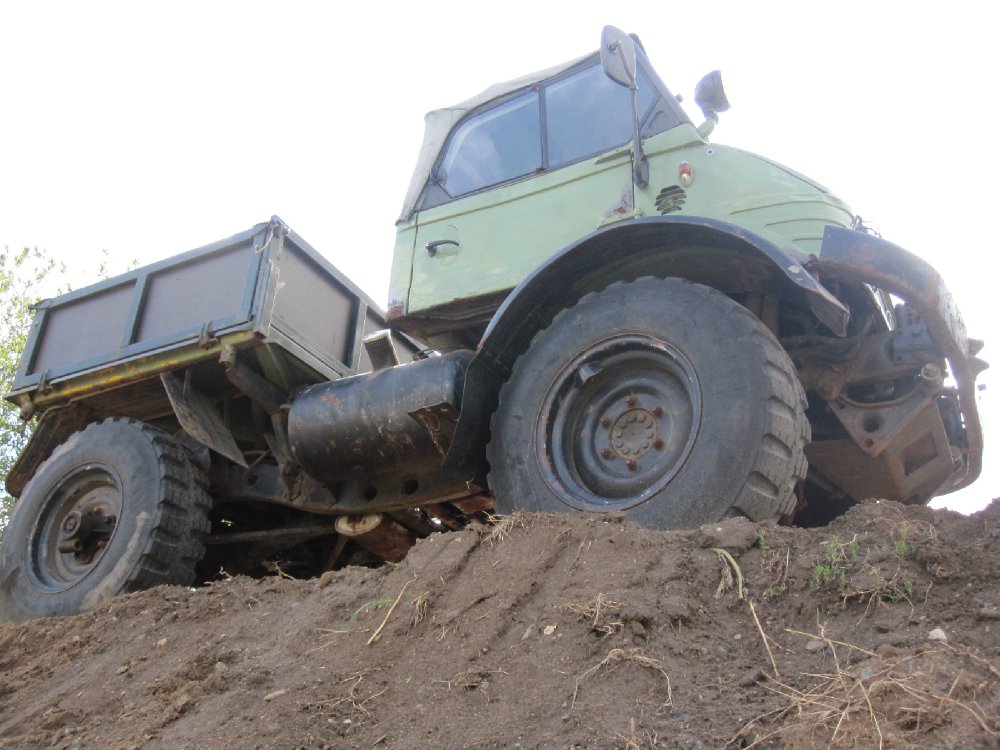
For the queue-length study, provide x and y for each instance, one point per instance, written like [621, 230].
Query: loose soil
[879, 630]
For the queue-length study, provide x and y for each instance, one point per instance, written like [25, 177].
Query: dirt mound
[880, 630]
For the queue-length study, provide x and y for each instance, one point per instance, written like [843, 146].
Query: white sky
[148, 129]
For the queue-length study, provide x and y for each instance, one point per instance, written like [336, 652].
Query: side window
[588, 113]
[499, 144]
[585, 114]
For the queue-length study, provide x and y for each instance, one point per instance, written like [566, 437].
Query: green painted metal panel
[736, 186]
[504, 233]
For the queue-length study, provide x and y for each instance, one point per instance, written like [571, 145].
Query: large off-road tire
[117, 508]
[660, 399]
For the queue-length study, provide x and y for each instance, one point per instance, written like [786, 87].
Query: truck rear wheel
[658, 398]
[117, 508]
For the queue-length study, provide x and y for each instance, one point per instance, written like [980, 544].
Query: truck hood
[789, 171]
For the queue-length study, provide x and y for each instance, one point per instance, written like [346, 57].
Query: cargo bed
[263, 297]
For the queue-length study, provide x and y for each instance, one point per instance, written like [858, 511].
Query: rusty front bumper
[861, 257]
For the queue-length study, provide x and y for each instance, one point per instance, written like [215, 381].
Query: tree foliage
[23, 275]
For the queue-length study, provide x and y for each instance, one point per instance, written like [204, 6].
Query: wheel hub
[76, 523]
[633, 434]
[618, 423]
[84, 534]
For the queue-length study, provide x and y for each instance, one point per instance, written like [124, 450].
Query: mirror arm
[640, 166]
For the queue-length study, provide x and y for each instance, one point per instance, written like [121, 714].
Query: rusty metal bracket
[861, 257]
[44, 383]
[875, 427]
[380, 349]
[250, 383]
[205, 339]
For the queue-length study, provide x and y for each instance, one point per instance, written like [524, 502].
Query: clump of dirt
[880, 630]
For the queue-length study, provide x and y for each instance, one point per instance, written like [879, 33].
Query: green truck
[592, 308]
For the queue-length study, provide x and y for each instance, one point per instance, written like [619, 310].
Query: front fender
[715, 253]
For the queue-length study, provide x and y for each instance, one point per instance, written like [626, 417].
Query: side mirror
[618, 61]
[618, 56]
[710, 96]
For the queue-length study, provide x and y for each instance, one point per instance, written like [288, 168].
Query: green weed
[832, 572]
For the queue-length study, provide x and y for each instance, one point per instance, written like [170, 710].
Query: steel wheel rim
[618, 423]
[82, 512]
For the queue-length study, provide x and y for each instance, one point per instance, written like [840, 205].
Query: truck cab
[507, 179]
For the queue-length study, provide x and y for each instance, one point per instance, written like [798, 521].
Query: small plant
[832, 572]
[901, 546]
[761, 542]
[896, 588]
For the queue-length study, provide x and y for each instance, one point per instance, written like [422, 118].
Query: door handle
[434, 246]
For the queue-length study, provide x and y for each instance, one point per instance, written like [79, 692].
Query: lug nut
[658, 411]
[658, 444]
[608, 454]
[632, 464]
[631, 401]
[605, 421]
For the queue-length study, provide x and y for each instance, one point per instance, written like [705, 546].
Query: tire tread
[778, 463]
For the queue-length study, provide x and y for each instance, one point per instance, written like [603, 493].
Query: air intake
[670, 199]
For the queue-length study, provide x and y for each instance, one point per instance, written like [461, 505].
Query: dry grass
[874, 585]
[907, 533]
[775, 566]
[504, 526]
[634, 740]
[378, 631]
[873, 703]
[473, 679]
[272, 567]
[618, 656]
[730, 568]
[417, 615]
[419, 609]
[350, 699]
[237, 587]
[598, 613]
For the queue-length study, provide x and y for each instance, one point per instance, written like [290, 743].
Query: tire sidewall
[130, 455]
[719, 345]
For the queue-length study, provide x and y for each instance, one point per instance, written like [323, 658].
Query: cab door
[518, 180]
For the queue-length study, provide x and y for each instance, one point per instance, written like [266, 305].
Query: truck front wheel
[118, 507]
[660, 399]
